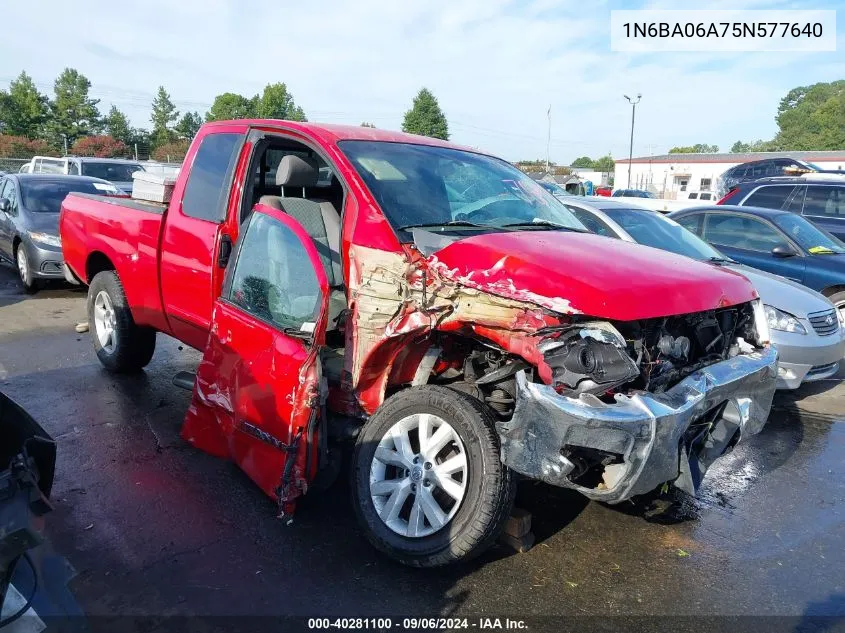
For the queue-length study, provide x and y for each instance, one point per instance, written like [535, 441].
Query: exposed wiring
[17, 615]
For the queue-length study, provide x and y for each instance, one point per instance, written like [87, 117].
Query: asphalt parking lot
[154, 527]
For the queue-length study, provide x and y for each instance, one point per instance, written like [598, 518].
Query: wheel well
[97, 263]
[15, 243]
[832, 290]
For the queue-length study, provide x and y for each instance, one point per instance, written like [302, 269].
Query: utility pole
[633, 103]
[136, 151]
[64, 138]
[548, 136]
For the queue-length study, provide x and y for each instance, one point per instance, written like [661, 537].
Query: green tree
[583, 161]
[425, 117]
[277, 103]
[698, 148]
[812, 118]
[72, 112]
[754, 146]
[605, 164]
[23, 110]
[117, 126]
[163, 116]
[229, 106]
[188, 126]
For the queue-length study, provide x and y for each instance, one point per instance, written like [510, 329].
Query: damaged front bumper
[655, 438]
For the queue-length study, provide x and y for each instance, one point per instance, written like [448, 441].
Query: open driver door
[257, 395]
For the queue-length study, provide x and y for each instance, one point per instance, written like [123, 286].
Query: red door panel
[256, 397]
[194, 220]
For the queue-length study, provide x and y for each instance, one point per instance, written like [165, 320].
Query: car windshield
[808, 236]
[45, 196]
[653, 229]
[114, 172]
[427, 186]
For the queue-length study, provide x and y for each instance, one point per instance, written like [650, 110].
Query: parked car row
[116, 171]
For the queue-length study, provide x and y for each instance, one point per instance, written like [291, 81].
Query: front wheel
[428, 485]
[838, 300]
[120, 344]
[28, 281]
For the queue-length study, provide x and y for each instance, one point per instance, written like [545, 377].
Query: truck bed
[103, 232]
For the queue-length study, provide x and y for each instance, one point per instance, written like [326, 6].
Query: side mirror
[783, 250]
[5, 205]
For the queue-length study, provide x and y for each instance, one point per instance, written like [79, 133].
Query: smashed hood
[574, 273]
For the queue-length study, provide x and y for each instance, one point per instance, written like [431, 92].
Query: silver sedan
[805, 327]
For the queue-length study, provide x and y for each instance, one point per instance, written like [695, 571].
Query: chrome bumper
[649, 431]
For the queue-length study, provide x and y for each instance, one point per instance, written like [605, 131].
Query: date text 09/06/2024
[417, 624]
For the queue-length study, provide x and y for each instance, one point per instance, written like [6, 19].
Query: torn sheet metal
[649, 431]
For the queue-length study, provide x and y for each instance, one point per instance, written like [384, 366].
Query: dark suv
[818, 197]
[756, 169]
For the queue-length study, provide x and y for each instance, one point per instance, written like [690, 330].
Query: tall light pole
[633, 103]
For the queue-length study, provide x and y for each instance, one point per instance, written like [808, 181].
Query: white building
[667, 175]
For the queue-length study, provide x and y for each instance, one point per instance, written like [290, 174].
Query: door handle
[224, 251]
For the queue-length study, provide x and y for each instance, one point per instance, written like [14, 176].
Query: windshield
[808, 236]
[653, 229]
[45, 196]
[114, 172]
[421, 185]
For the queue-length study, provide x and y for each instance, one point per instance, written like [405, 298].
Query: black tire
[28, 281]
[838, 300]
[134, 345]
[490, 488]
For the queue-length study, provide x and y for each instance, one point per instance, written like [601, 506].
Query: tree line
[808, 118]
[71, 122]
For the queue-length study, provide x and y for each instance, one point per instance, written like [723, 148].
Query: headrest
[295, 171]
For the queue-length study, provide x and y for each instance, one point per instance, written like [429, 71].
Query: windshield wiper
[434, 225]
[720, 260]
[544, 224]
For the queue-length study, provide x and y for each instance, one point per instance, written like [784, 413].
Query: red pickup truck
[432, 303]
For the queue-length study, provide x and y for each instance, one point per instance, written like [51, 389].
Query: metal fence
[12, 165]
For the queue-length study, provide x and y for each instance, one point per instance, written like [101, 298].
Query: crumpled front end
[614, 451]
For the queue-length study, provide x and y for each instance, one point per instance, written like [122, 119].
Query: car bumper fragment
[657, 437]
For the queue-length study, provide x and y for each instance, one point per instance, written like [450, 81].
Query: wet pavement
[154, 527]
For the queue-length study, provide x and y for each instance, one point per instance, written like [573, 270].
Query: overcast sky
[495, 65]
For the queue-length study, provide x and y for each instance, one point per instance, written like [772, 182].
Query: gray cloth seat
[332, 361]
[320, 220]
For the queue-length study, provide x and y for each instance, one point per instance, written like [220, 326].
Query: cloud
[495, 66]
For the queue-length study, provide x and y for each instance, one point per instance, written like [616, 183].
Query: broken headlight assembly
[783, 321]
[588, 358]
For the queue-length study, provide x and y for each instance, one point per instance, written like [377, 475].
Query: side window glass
[591, 222]
[10, 192]
[823, 201]
[742, 232]
[796, 200]
[208, 181]
[72, 169]
[691, 223]
[274, 278]
[771, 197]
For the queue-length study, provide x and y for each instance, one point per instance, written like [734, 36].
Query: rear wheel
[120, 344]
[428, 484]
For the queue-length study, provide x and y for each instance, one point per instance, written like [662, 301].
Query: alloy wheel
[105, 322]
[418, 476]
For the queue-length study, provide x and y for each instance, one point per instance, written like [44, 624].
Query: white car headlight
[783, 321]
[46, 238]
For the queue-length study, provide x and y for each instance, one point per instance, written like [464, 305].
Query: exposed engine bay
[603, 358]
